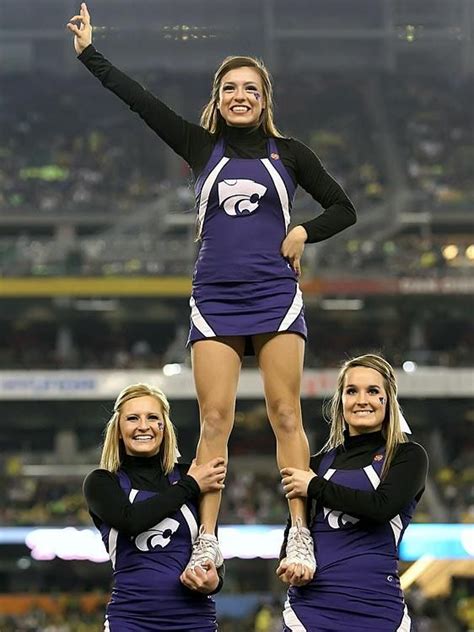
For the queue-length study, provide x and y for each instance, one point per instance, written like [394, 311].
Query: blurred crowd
[433, 126]
[428, 331]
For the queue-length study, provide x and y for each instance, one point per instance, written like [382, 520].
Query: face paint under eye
[160, 425]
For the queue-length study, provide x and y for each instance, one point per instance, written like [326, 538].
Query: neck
[143, 461]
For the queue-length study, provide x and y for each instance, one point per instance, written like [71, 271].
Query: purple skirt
[246, 309]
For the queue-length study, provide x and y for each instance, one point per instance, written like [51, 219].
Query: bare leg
[280, 358]
[216, 368]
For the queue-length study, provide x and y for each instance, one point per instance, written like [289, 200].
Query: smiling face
[364, 400]
[141, 426]
[241, 99]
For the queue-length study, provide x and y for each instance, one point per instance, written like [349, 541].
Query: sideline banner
[177, 382]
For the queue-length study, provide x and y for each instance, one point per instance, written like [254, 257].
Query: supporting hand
[204, 580]
[209, 476]
[295, 482]
[294, 574]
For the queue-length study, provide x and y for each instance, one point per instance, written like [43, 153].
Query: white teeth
[363, 412]
[240, 109]
[143, 438]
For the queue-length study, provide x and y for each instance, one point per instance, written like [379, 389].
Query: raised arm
[188, 140]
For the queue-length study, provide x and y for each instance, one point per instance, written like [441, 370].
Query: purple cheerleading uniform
[356, 587]
[147, 595]
[242, 285]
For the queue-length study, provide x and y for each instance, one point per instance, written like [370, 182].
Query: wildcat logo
[240, 197]
[159, 535]
[337, 519]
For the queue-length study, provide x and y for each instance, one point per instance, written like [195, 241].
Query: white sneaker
[300, 547]
[205, 549]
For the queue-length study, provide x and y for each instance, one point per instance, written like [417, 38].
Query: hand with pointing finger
[80, 25]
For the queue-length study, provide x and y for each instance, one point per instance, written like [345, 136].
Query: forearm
[334, 220]
[183, 137]
[404, 481]
[107, 501]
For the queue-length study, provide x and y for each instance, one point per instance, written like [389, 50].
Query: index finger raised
[86, 12]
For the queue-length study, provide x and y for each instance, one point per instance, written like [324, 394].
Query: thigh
[216, 369]
[280, 358]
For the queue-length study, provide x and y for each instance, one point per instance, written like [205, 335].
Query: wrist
[301, 232]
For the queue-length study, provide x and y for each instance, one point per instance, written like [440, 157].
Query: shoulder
[293, 144]
[412, 451]
[298, 150]
[99, 476]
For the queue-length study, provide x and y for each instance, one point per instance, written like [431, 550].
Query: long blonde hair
[391, 429]
[113, 448]
[211, 118]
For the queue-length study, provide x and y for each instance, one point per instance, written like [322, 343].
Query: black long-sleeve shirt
[194, 144]
[405, 480]
[109, 504]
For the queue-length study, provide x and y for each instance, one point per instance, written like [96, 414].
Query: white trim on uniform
[199, 321]
[397, 528]
[281, 190]
[191, 520]
[329, 473]
[372, 476]
[293, 311]
[405, 625]
[206, 190]
[113, 535]
[291, 620]
[106, 624]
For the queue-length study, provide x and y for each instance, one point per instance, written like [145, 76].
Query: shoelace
[203, 549]
[301, 545]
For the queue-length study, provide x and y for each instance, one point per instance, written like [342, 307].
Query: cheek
[345, 406]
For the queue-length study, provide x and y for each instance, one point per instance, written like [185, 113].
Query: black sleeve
[339, 212]
[186, 139]
[106, 500]
[405, 480]
[221, 573]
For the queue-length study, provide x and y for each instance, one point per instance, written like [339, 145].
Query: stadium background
[97, 246]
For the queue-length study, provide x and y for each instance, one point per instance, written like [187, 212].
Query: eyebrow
[233, 83]
[151, 412]
[370, 386]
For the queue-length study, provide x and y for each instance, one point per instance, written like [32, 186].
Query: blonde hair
[211, 118]
[391, 428]
[113, 448]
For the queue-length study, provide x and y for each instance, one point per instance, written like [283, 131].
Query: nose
[143, 423]
[362, 398]
[239, 94]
